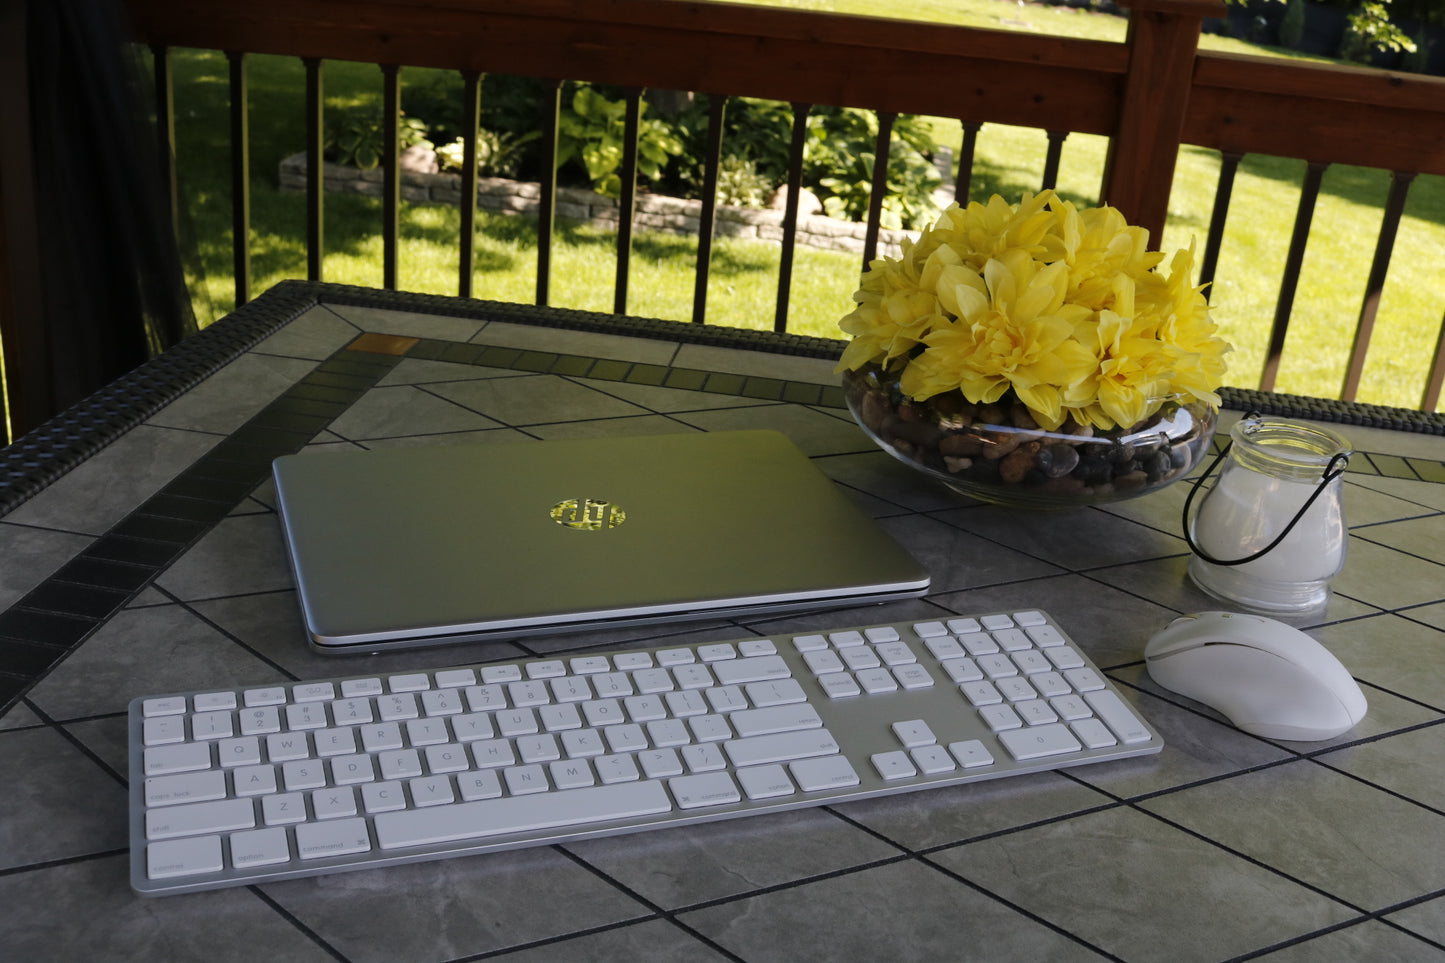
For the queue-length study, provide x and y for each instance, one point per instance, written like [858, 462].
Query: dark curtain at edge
[115, 293]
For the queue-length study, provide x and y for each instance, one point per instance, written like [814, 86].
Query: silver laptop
[427, 545]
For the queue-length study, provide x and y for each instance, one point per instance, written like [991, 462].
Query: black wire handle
[1334, 469]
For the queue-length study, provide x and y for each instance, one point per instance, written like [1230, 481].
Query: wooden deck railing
[1149, 96]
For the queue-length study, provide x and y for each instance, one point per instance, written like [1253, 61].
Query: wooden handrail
[1148, 95]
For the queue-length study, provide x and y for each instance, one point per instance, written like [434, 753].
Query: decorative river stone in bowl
[998, 453]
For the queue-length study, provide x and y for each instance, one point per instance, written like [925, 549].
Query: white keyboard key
[354, 689]
[693, 676]
[213, 701]
[892, 765]
[270, 696]
[353, 769]
[981, 693]
[627, 661]
[431, 791]
[971, 754]
[784, 718]
[616, 768]
[964, 626]
[439, 702]
[1084, 679]
[185, 787]
[861, 658]
[895, 653]
[717, 653]
[756, 669]
[840, 685]
[283, 809]
[479, 785]
[187, 757]
[409, 682]
[163, 730]
[978, 643]
[168, 706]
[652, 681]
[660, 763]
[1000, 717]
[780, 747]
[932, 760]
[546, 669]
[703, 757]
[212, 725]
[703, 789]
[571, 774]
[876, 681]
[823, 661]
[928, 630]
[809, 643]
[313, 692]
[914, 732]
[962, 670]
[913, 676]
[882, 634]
[1030, 618]
[383, 797]
[497, 674]
[615, 684]
[765, 782]
[455, 678]
[1039, 741]
[1093, 733]
[824, 772]
[1119, 717]
[334, 803]
[725, 698]
[528, 780]
[259, 847]
[1013, 640]
[514, 814]
[254, 780]
[590, 664]
[996, 622]
[1045, 636]
[755, 647]
[339, 837]
[193, 819]
[1064, 657]
[848, 639]
[775, 693]
[176, 858]
[670, 657]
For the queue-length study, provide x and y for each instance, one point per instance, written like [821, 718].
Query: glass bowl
[997, 453]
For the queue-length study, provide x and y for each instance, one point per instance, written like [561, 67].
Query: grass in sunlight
[742, 291]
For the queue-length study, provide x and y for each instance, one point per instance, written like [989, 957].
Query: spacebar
[520, 814]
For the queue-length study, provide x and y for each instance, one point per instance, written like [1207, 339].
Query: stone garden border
[654, 212]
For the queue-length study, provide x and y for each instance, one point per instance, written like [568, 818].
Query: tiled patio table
[140, 553]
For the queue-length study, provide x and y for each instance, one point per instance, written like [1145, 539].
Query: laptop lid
[425, 545]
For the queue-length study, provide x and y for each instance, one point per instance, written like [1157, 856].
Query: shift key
[780, 747]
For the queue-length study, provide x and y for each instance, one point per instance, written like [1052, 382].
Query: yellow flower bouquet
[1035, 353]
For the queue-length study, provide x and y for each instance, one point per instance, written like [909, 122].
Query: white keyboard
[250, 785]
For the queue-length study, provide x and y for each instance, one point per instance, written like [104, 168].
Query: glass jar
[1270, 535]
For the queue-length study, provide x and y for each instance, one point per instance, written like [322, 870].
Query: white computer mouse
[1267, 678]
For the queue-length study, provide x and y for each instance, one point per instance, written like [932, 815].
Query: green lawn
[744, 274]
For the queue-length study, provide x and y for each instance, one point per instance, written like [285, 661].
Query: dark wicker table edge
[44, 454]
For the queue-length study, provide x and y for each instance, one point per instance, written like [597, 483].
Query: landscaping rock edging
[652, 212]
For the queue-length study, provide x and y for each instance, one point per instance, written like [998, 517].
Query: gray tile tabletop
[1224, 846]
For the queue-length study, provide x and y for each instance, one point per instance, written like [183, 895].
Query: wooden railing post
[28, 382]
[1139, 171]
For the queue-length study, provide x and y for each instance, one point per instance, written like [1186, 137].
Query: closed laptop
[425, 545]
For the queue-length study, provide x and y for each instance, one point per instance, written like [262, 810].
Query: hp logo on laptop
[587, 514]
